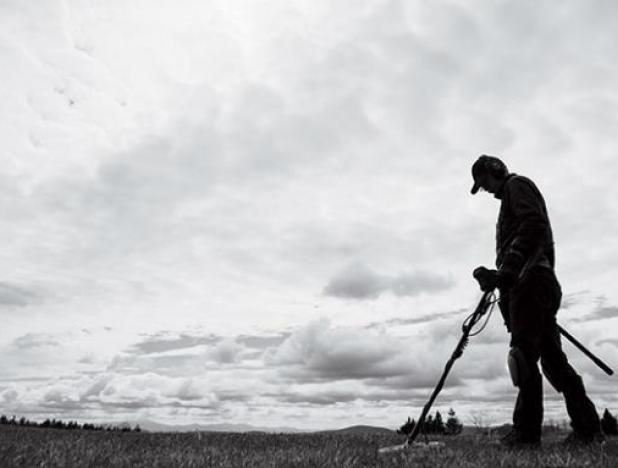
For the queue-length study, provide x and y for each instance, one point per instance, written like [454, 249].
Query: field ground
[28, 447]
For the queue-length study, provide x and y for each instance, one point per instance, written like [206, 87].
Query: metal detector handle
[480, 310]
[585, 350]
[483, 304]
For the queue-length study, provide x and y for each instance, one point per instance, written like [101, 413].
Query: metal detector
[484, 305]
[488, 300]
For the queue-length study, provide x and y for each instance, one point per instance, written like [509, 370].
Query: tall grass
[27, 447]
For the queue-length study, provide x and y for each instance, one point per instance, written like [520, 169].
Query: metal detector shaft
[480, 310]
[585, 350]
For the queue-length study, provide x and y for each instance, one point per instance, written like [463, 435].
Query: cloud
[159, 343]
[403, 321]
[603, 313]
[324, 364]
[167, 342]
[9, 396]
[219, 164]
[183, 355]
[340, 393]
[179, 364]
[262, 342]
[318, 352]
[610, 341]
[58, 398]
[600, 313]
[570, 300]
[323, 398]
[357, 281]
[96, 387]
[35, 341]
[135, 391]
[96, 397]
[226, 352]
[19, 296]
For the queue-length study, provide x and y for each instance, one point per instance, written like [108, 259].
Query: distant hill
[360, 429]
[152, 426]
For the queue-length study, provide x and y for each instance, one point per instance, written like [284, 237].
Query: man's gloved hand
[487, 279]
[506, 279]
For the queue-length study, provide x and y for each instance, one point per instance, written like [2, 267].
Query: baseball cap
[482, 166]
[478, 171]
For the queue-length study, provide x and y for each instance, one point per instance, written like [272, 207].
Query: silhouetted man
[529, 299]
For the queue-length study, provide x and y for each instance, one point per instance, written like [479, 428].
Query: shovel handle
[608, 370]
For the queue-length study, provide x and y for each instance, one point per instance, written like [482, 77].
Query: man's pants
[532, 307]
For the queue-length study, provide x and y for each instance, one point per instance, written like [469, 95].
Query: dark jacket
[524, 237]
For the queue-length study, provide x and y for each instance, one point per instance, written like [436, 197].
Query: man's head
[488, 173]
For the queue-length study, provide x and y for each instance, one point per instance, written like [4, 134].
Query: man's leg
[527, 316]
[528, 411]
[562, 376]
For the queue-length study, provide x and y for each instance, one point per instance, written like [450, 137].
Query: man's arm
[527, 205]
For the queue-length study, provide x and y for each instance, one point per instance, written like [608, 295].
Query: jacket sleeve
[527, 206]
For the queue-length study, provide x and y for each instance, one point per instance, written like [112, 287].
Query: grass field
[29, 447]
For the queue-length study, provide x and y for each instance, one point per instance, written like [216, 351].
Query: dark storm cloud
[358, 281]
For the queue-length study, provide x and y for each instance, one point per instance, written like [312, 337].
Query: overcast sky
[259, 212]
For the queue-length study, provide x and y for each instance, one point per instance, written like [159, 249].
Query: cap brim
[475, 188]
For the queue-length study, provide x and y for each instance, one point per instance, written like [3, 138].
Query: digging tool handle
[584, 350]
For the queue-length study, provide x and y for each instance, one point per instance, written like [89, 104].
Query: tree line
[609, 423]
[432, 425]
[435, 424]
[71, 425]
[453, 426]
